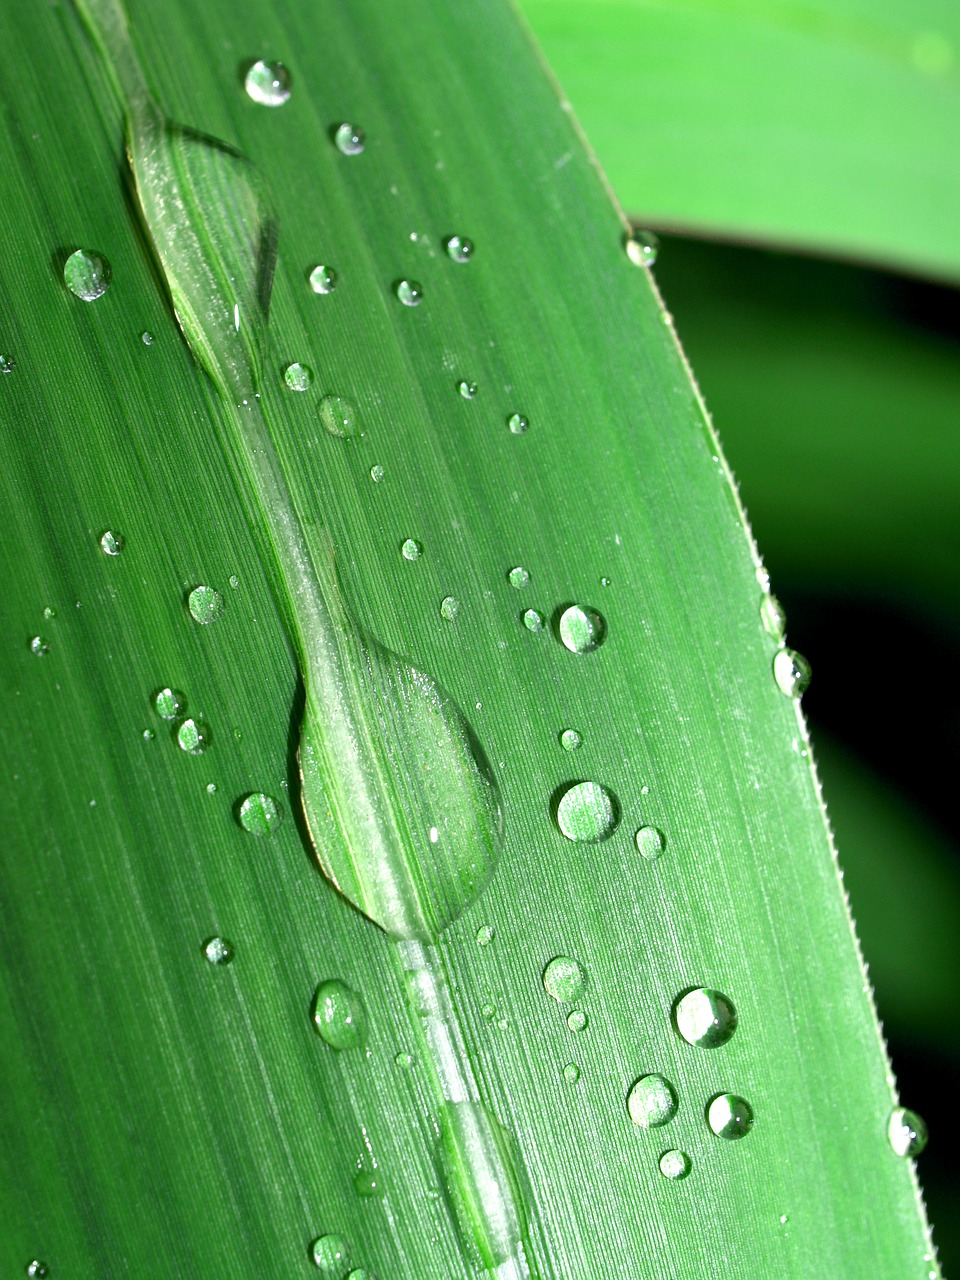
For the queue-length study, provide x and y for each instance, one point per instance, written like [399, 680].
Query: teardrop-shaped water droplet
[705, 1018]
[571, 1073]
[518, 577]
[410, 292]
[519, 425]
[349, 139]
[339, 1016]
[259, 814]
[339, 417]
[218, 950]
[205, 605]
[564, 979]
[449, 607]
[675, 1165]
[330, 1253]
[323, 279]
[650, 842]
[791, 672]
[570, 740]
[642, 248]
[112, 543]
[86, 274]
[484, 935]
[581, 629]
[376, 473]
[730, 1116]
[906, 1132]
[533, 620]
[39, 646]
[588, 813]
[459, 248]
[298, 377]
[169, 703]
[652, 1102]
[467, 389]
[268, 83]
[194, 736]
[410, 549]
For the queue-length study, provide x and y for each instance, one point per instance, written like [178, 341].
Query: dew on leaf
[459, 248]
[564, 979]
[338, 1015]
[268, 83]
[588, 812]
[205, 604]
[259, 813]
[581, 629]
[349, 139]
[86, 274]
[651, 1102]
[730, 1116]
[323, 279]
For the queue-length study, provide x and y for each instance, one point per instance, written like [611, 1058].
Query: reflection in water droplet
[349, 139]
[268, 83]
[650, 842]
[581, 629]
[7, 364]
[588, 812]
[330, 1253]
[148, 735]
[87, 275]
[376, 473]
[403, 1060]
[730, 1116]
[459, 248]
[112, 543]
[298, 377]
[791, 672]
[576, 1020]
[205, 604]
[410, 292]
[368, 1186]
[642, 248]
[705, 1018]
[259, 814]
[564, 979]
[339, 417]
[39, 646]
[49, 613]
[193, 736]
[674, 1165]
[467, 389]
[234, 582]
[533, 620]
[323, 279]
[36, 1268]
[146, 338]
[518, 424]
[906, 1132]
[518, 577]
[211, 788]
[652, 1102]
[449, 607]
[338, 1015]
[571, 1073]
[484, 935]
[570, 740]
[488, 1012]
[169, 703]
[410, 549]
[772, 616]
[218, 950]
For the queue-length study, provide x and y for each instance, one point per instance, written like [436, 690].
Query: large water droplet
[330, 1253]
[339, 417]
[730, 1116]
[906, 1132]
[169, 703]
[650, 842]
[652, 1102]
[86, 274]
[268, 83]
[791, 672]
[674, 1165]
[410, 549]
[205, 604]
[349, 139]
[218, 950]
[518, 577]
[564, 979]
[449, 607]
[705, 1018]
[582, 629]
[533, 620]
[259, 814]
[587, 812]
[298, 377]
[459, 248]
[194, 736]
[467, 389]
[642, 248]
[39, 646]
[518, 424]
[339, 1015]
[111, 542]
[570, 740]
[323, 279]
[410, 292]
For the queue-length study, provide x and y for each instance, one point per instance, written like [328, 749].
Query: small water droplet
[784, 1219]
[7, 364]
[339, 1016]
[449, 607]
[906, 1132]
[582, 630]
[650, 842]
[323, 279]
[146, 338]
[571, 1073]
[488, 1012]
[234, 582]
[652, 1102]
[169, 703]
[605, 582]
[268, 83]
[459, 248]
[211, 788]
[339, 417]
[349, 139]
[588, 813]
[112, 543]
[376, 473]
[791, 672]
[642, 248]
[218, 950]
[564, 979]
[205, 604]
[570, 740]
[193, 736]
[87, 275]
[576, 1020]
[518, 577]
[39, 646]
[674, 1165]
[403, 1060]
[533, 620]
[259, 814]
[484, 935]
[467, 389]
[38, 1269]
[298, 377]
[148, 735]
[410, 549]
[705, 1018]
[410, 292]
[360, 1273]
[330, 1253]
[772, 616]
[518, 424]
[730, 1116]
[368, 1184]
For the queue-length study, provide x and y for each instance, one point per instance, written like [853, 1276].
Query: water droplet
[211, 788]
[339, 417]
[205, 604]
[87, 275]
[218, 950]
[268, 83]
[674, 1165]
[112, 543]
[652, 1102]
[459, 248]
[570, 740]
[564, 979]
[571, 1073]
[410, 549]
[587, 812]
[605, 582]
[791, 672]
[36, 1268]
[576, 1020]
[146, 338]
[772, 616]
[532, 620]
[7, 364]
[488, 1012]
[330, 1253]
[518, 577]
[484, 935]
[907, 1132]
[234, 582]
[410, 292]
[705, 1018]
[581, 629]
[403, 1060]
[259, 814]
[449, 607]
[518, 424]
[730, 1116]
[467, 389]
[298, 377]
[39, 646]
[193, 736]
[148, 735]
[323, 279]
[349, 139]
[376, 473]
[650, 842]
[360, 1273]
[169, 703]
[339, 1016]
[642, 248]
[368, 1185]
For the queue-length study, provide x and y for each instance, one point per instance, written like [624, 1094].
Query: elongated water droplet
[323, 279]
[339, 1016]
[467, 389]
[86, 274]
[410, 549]
[791, 672]
[571, 1073]
[906, 1132]
[570, 740]
[268, 83]
[205, 605]
[349, 139]
[169, 703]
[259, 814]
[298, 377]
[705, 1018]
[449, 607]
[330, 1253]
[730, 1116]
[533, 620]
[410, 292]
[112, 543]
[650, 842]
[642, 248]
[581, 629]
[772, 616]
[564, 979]
[39, 646]
[459, 248]
[218, 950]
[588, 813]
[519, 425]
[376, 473]
[674, 1165]
[652, 1102]
[194, 736]
[339, 417]
[484, 935]
[576, 1020]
